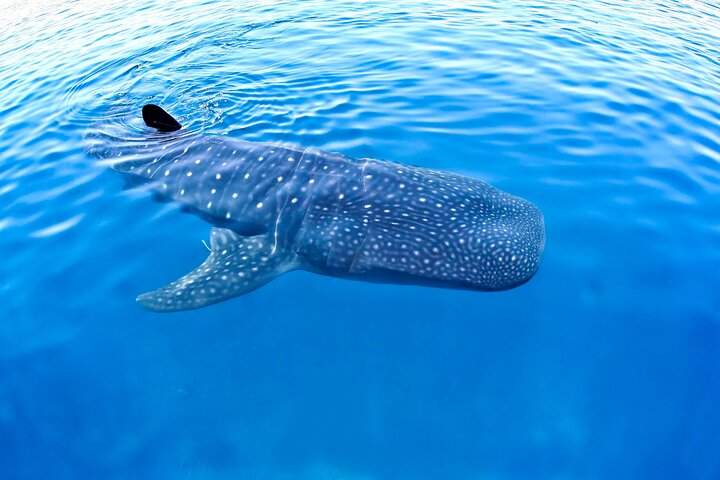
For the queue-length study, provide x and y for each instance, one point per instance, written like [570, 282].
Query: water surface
[604, 365]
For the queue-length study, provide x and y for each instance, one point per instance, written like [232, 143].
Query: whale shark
[276, 208]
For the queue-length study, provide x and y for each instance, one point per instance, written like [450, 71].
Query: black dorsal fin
[156, 117]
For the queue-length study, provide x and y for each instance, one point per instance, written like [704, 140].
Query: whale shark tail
[158, 118]
[236, 265]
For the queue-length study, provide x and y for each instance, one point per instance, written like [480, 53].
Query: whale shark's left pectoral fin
[236, 265]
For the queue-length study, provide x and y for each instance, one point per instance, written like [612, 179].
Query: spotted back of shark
[275, 208]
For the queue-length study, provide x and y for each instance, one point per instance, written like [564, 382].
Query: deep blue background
[605, 365]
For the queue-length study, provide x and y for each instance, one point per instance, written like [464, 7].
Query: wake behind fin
[236, 265]
[158, 118]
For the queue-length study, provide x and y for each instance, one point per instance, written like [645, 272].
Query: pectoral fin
[236, 265]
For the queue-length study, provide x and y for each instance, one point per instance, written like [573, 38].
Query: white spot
[189, 174]
[247, 175]
[234, 195]
[209, 148]
[182, 192]
[218, 176]
[341, 196]
[259, 205]
[167, 172]
[422, 199]
[197, 162]
[209, 204]
[402, 185]
[213, 191]
[294, 200]
[367, 205]
[290, 159]
[280, 179]
[312, 180]
[227, 215]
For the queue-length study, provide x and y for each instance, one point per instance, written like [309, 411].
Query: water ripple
[605, 114]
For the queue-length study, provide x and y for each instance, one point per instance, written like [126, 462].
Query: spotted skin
[236, 265]
[302, 208]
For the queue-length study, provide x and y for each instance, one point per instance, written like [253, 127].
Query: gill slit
[362, 172]
[277, 226]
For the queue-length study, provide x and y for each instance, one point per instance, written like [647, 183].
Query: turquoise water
[605, 365]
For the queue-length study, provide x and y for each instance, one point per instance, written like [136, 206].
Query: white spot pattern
[355, 217]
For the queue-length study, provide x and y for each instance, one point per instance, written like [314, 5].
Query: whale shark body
[276, 208]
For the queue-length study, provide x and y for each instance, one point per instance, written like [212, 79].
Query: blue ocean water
[605, 365]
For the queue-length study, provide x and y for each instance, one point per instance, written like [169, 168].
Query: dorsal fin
[156, 117]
